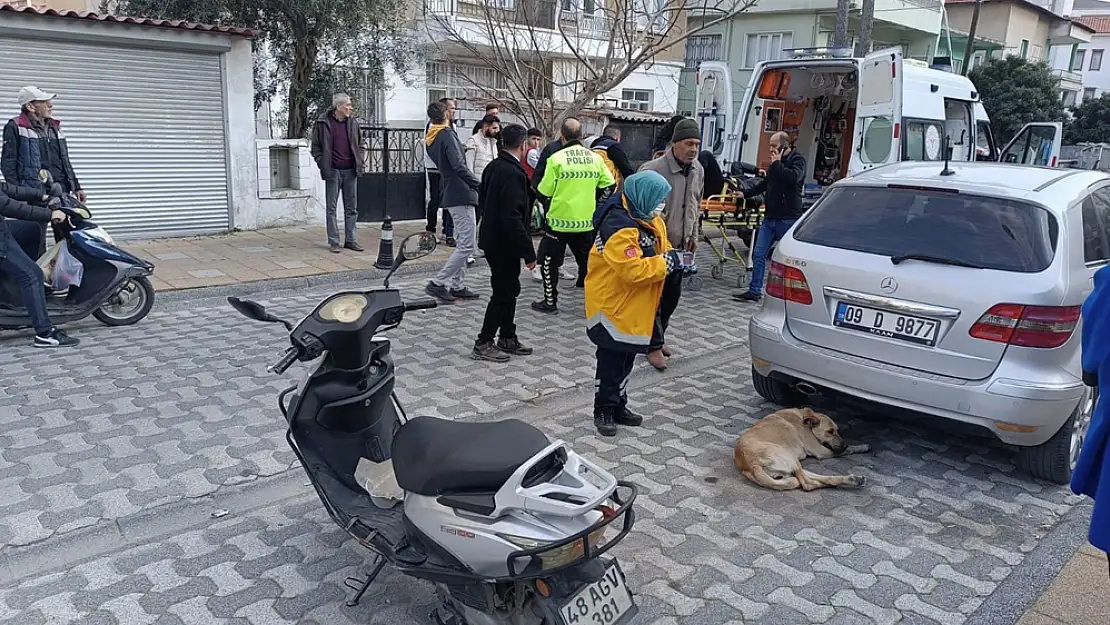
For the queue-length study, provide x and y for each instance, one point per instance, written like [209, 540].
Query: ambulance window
[985, 149]
[923, 140]
[878, 137]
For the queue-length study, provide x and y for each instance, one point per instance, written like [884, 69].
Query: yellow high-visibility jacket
[625, 278]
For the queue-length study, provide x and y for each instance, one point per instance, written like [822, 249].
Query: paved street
[144, 479]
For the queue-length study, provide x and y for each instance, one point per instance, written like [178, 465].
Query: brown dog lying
[770, 452]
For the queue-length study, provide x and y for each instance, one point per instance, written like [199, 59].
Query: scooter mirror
[254, 310]
[418, 245]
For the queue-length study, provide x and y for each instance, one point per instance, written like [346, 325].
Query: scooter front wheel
[129, 305]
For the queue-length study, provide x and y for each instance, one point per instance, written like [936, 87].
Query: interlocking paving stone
[180, 406]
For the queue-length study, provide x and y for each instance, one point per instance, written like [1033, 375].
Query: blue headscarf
[645, 191]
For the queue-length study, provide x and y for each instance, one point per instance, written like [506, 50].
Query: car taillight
[1027, 326]
[788, 283]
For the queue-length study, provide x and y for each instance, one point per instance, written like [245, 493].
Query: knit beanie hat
[686, 129]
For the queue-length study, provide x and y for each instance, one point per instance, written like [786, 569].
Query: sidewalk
[1079, 596]
[218, 260]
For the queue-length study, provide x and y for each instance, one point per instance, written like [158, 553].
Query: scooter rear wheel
[129, 306]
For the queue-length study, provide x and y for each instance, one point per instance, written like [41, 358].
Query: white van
[847, 115]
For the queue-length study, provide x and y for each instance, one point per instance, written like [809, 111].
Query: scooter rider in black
[17, 221]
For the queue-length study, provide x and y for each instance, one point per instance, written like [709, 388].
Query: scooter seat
[435, 456]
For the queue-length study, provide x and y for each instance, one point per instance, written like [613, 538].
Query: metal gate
[393, 182]
[145, 129]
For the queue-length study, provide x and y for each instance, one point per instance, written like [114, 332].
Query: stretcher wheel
[744, 279]
[717, 272]
[693, 283]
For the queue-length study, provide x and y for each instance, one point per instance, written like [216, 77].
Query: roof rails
[825, 52]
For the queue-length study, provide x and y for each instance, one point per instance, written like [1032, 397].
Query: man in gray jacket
[459, 197]
[680, 166]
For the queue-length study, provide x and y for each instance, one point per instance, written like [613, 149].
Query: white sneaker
[470, 261]
[536, 275]
[565, 274]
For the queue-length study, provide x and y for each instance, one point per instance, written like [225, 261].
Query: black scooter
[115, 288]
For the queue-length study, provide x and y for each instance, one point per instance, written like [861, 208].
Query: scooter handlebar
[422, 304]
[286, 361]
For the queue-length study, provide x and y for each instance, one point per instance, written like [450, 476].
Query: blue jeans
[27, 273]
[770, 232]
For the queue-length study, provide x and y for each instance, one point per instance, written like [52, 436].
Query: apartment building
[1086, 61]
[548, 38]
[1032, 29]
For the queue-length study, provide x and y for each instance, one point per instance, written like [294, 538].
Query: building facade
[161, 133]
[557, 34]
[1037, 30]
[1087, 60]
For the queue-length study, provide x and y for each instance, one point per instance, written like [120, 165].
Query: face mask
[658, 212]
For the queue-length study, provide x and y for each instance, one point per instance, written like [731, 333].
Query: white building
[159, 117]
[1088, 60]
[653, 87]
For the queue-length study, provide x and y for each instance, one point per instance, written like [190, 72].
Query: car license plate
[888, 324]
[604, 602]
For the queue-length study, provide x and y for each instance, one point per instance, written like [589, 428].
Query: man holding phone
[782, 191]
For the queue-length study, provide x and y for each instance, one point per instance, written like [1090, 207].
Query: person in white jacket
[481, 149]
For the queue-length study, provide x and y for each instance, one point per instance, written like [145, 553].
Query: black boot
[605, 422]
[624, 416]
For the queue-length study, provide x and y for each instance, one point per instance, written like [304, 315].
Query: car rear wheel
[775, 391]
[1055, 460]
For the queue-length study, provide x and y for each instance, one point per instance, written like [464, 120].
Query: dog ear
[809, 418]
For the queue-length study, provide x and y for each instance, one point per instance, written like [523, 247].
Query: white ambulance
[846, 115]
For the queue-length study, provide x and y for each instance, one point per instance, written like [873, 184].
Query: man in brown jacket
[336, 149]
[680, 166]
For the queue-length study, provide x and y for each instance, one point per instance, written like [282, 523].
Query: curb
[1038, 569]
[415, 269]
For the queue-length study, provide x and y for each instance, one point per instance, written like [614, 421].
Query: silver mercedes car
[956, 295]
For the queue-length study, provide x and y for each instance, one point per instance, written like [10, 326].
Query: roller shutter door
[145, 129]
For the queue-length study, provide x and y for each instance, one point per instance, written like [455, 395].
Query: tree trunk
[304, 59]
[867, 24]
[840, 35]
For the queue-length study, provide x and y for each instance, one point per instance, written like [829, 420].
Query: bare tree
[549, 59]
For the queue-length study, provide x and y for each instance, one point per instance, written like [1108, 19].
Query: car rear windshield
[987, 232]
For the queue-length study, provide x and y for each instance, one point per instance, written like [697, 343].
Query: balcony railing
[534, 13]
[1064, 76]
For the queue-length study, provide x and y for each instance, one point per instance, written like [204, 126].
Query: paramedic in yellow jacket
[630, 259]
[572, 178]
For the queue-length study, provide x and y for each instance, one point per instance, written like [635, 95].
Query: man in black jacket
[782, 192]
[503, 235]
[18, 221]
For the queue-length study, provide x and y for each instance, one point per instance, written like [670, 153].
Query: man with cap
[679, 166]
[34, 141]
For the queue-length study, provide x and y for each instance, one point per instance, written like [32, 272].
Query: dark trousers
[435, 195]
[614, 368]
[668, 302]
[27, 273]
[553, 247]
[500, 316]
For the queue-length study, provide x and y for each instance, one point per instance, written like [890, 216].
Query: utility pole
[867, 24]
[968, 49]
[840, 35]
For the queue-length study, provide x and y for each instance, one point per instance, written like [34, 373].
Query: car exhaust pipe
[805, 388]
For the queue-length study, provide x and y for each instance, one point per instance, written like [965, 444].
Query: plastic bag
[46, 263]
[68, 271]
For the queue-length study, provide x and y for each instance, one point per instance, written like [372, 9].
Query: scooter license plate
[607, 601]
